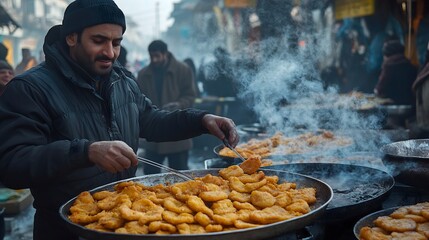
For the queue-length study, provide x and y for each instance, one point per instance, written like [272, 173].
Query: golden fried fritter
[423, 228]
[238, 186]
[300, 206]
[225, 219]
[395, 225]
[238, 196]
[240, 205]
[133, 227]
[112, 221]
[251, 165]
[271, 215]
[307, 194]
[184, 190]
[197, 204]
[241, 224]
[214, 228]
[223, 207]
[407, 236]
[185, 228]
[202, 219]
[262, 199]
[176, 206]
[161, 226]
[255, 177]
[175, 218]
[213, 196]
[231, 171]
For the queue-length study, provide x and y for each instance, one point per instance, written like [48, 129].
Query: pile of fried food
[240, 197]
[408, 222]
[278, 144]
[348, 101]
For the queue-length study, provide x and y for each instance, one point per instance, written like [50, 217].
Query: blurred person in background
[6, 74]
[397, 75]
[218, 76]
[422, 35]
[73, 122]
[421, 89]
[382, 27]
[28, 61]
[3, 52]
[170, 85]
[191, 65]
[122, 58]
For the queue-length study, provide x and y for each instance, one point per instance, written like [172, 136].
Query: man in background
[27, 62]
[170, 85]
[6, 74]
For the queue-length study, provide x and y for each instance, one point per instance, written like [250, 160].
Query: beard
[158, 67]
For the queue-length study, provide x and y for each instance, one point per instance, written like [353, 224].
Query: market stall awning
[6, 21]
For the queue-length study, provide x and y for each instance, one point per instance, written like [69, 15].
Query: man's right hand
[112, 156]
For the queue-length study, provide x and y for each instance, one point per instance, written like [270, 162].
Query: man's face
[5, 76]
[158, 59]
[97, 48]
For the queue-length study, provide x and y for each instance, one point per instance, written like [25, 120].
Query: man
[421, 89]
[218, 77]
[170, 85]
[27, 62]
[397, 75]
[73, 123]
[6, 74]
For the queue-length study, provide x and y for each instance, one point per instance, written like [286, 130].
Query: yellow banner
[353, 8]
[240, 3]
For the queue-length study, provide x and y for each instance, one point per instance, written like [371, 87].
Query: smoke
[287, 94]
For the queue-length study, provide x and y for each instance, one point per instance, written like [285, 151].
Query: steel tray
[324, 196]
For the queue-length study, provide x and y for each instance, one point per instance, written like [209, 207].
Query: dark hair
[393, 47]
[158, 46]
[5, 65]
[191, 64]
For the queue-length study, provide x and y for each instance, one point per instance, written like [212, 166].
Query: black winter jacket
[50, 114]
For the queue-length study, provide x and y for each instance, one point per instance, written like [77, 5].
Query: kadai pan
[324, 195]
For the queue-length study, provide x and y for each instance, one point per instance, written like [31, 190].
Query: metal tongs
[158, 165]
[226, 143]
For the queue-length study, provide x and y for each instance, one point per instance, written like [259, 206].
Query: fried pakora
[404, 223]
[239, 198]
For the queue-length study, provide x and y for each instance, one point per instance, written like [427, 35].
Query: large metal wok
[358, 190]
[408, 161]
[324, 196]
[368, 220]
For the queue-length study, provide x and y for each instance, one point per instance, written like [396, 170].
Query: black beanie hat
[5, 65]
[393, 47]
[81, 14]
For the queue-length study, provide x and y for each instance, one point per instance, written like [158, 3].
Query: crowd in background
[370, 56]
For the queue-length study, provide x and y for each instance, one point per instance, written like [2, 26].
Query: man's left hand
[222, 128]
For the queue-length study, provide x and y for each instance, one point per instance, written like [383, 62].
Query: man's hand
[112, 156]
[222, 128]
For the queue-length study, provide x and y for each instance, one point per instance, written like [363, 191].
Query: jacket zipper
[107, 112]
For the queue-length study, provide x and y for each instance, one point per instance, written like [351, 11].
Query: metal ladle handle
[226, 143]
